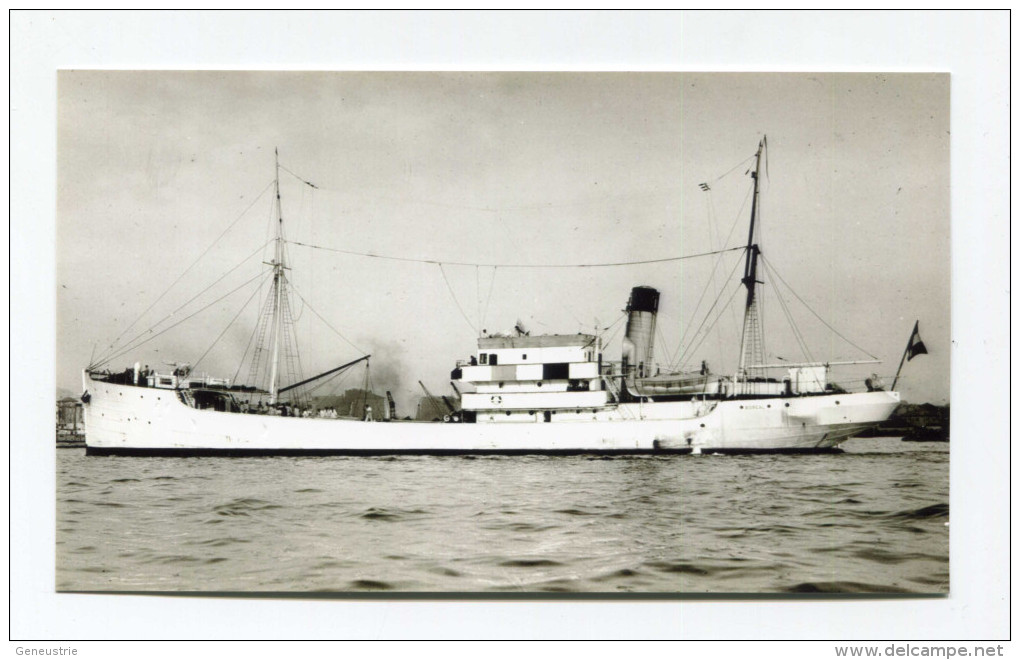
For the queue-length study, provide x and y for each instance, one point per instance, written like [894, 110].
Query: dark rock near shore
[923, 422]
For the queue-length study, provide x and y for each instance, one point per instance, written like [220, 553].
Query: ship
[518, 393]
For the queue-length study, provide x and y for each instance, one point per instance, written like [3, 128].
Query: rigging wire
[705, 319]
[299, 316]
[789, 316]
[188, 269]
[328, 324]
[338, 375]
[455, 302]
[693, 351]
[732, 169]
[492, 281]
[618, 319]
[251, 338]
[307, 183]
[464, 263]
[606, 342]
[366, 383]
[186, 318]
[292, 360]
[706, 188]
[416, 202]
[194, 364]
[715, 285]
[222, 277]
[334, 380]
[662, 338]
[836, 332]
[602, 199]
[711, 279]
[106, 358]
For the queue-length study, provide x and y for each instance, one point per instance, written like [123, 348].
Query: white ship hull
[129, 420]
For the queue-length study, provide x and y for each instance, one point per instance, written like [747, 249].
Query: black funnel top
[643, 299]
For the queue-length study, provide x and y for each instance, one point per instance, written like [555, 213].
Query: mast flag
[914, 347]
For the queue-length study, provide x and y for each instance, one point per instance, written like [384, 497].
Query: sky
[502, 168]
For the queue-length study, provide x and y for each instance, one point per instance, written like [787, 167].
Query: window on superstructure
[524, 356]
[483, 358]
[492, 359]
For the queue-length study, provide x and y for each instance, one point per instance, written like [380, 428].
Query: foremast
[279, 282]
[751, 339]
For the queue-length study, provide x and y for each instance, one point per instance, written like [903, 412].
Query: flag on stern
[915, 346]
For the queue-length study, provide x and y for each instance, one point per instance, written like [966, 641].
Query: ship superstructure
[527, 379]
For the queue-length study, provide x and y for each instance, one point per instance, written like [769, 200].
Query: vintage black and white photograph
[498, 325]
[497, 332]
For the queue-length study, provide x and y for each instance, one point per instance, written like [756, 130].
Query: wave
[389, 515]
[839, 587]
[679, 567]
[220, 542]
[244, 507]
[370, 585]
[529, 563]
[925, 512]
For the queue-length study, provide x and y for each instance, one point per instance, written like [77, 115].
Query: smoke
[389, 372]
[387, 364]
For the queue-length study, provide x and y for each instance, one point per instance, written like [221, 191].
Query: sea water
[873, 519]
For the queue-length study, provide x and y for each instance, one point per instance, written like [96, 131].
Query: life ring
[496, 399]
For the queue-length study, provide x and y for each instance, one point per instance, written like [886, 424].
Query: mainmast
[278, 283]
[750, 341]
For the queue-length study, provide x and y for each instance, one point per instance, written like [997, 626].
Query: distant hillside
[922, 414]
[352, 403]
[922, 422]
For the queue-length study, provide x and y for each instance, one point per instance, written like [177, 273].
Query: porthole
[788, 405]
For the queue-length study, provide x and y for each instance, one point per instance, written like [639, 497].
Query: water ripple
[867, 521]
